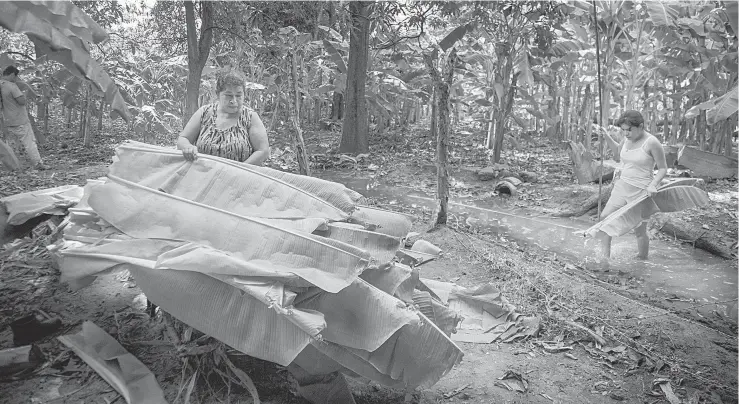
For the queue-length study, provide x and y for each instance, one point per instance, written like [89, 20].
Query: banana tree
[60, 31]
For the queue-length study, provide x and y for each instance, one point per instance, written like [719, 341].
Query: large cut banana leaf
[239, 188]
[671, 197]
[147, 214]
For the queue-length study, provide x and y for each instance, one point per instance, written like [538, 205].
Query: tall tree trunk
[294, 109]
[316, 31]
[198, 49]
[354, 131]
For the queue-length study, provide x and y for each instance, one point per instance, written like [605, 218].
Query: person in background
[15, 115]
[226, 128]
[639, 152]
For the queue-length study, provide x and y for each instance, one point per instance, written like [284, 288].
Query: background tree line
[518, 67]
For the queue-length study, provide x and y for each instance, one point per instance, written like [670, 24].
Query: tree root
[589, 204]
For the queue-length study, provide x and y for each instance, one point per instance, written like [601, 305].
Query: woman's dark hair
[230, 79]
[10, 70]
[631, 117]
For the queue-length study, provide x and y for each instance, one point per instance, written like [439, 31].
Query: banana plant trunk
[298, 142]
[503, 101]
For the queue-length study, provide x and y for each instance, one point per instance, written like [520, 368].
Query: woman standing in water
[639, 152]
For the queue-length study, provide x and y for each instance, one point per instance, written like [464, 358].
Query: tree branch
[27, 56]
[227, 30]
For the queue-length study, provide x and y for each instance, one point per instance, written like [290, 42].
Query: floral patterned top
[232, 143]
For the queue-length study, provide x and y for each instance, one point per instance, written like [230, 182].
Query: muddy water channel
[676, 276]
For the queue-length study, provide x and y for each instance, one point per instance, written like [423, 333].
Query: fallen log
[14, 360]
[589, 204]
[692, 233]
[587, 169]
[707, 164]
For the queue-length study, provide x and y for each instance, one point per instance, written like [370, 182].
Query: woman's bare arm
[654, 147]
[189, 135]
[259, 141]
[615, 146]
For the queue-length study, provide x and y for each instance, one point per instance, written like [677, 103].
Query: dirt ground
[646, 346]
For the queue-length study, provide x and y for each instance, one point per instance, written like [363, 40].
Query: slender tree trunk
[354, 132]
[700, 128]
[729, 130]
[566, 105]
[434, 112]
[501, 127]
[490, 130]
[337, 106]
[553, 110]
[666, 129]
[442, 83]
[101, 114]
[46, 117]
[275, 115]
[198, 49]
[87, 133]
[298, 142]
[674, 129]
[83, 110]
[587, 117]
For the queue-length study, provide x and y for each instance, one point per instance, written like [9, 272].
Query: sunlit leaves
[65, 46]
[661, 13]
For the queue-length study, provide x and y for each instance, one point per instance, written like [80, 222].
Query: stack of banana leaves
[282, 267]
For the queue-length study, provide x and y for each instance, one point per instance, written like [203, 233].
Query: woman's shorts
[622, 194]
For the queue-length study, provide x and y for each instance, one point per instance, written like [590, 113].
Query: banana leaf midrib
[244, 167]
[247, 218]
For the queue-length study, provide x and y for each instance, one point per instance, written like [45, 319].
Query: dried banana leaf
[25, 206]
[130, 378]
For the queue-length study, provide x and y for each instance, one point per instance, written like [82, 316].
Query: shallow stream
[676, 274]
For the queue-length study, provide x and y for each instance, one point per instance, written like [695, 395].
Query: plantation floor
[645, 343]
